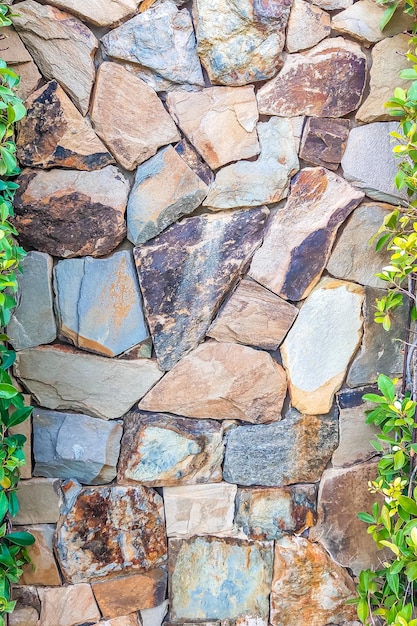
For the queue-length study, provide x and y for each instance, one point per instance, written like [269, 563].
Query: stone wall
[195, 316]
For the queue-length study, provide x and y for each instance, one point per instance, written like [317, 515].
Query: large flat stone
[67, 606]
[324, 141]
[110, 530]
[99, 12]
[39, 501]
[65, 379]
[307, 25]
[300, 236]
[62, 47]
[119, 596]
[160, 450]
[217, 586]
[295, 450]
[333, 75]
[221, 381]
[42, 569]
[220, 122]
[98, 303]
[208, 250]
[70, 213]
[264, 181]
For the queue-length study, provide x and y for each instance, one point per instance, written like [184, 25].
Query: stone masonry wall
[199, 186]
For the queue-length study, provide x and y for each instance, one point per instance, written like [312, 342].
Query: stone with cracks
[307, 25]
[62, 47]
[125, 594]
[333, 75]
[209, 250]
[67, 606]
[99, 12]
[324, 141]
[221, 381]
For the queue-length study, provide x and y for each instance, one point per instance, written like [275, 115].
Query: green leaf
[408, 504]
[7, 391]
[411, 571]
[19, 416]
[363, 610]
[366, 517]
[13, 504]
[4, 505]
[21, 538]
[386, 386]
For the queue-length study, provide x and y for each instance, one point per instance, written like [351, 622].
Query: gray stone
[70, 445]
[355, 437]
[308, 24]
[294, 450]
[39, 501]
[154, 616]
[99, 304]
[208, 250]
[33, 322]
[63, 378]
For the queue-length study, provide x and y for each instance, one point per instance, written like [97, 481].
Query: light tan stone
[133, 128]
[355, 437]
[67, 606]
[220, 122]
[42, 570]
[330, 5]
[99, 12]
[30, 78]
[27, 616]
[307, 25]
[39, 500]
[120, 596]
[12, 49]
[127, 620]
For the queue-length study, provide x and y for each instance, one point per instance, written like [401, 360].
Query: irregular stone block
[308, 587]
[295, 450]
[160, 450]
[221, 381]
[62, 47]
[253, 316]
[220, 122]
[307, 25]
[63, 378]
[304, 230]
[217, 586]
[70, 213]
[99, 305]
[30, 77]
[24, 617]
[355, 437]
[208, 250]
[127, 620]
[132, 128]
[33, 322]
[165, 189]
[264, 181]
[109, 530]
[13, 50]
[99, 12]
[162, 41]
[126, 594]
[241, 43]
[26, 596]
[154, 616]
[67, 606]
[54, 133]
[324, 141]
[330, 5]
[333, 75]
[39, 501]
[42, 569]
[69, 445]
[193, 160]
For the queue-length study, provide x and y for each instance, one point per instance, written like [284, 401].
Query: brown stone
[42, 569]
[221, 381]
[55, 134]
[126, 620]
[333, 75]
[12, 49]
[30, 78]
[24, 617]
[133, 128]
[69, 213]
[324, 141]
[307, 25]
[99, 12]
[67, 606]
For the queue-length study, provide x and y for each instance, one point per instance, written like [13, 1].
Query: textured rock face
[65, 379]
[109, 530]
[333, 76]
[355, 437]
[40, 500]
[300, 236]
[62, 47]
[307, 25]
[275, 455]
[132, 128]
[159, 450]
[241, 43]
[194, 595]
[208, 250]
[221, 381]
[193, 160]
[324, 141]
[30, 78]
[154, 616]
[67, 605]
[165, 189]
[55, 134]
[70, 213]
[18, 58]
[99, 12]
[130, 593]
[317, 366]
[220, 122]
[308, 587]
[43, 569]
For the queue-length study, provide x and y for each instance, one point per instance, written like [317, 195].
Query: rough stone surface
[165, 189]
[217, 586]
[221, 381]
[127, 620]
[324, 141]
[42, 570]
[18, 58]
[39, 500]
[159, 450]
[161, 41]
[62, 47]
[67, 606]
[65, 379]
[333, 76]
[253, 316]
[70, 445]
[272, 513]
[208, 250]
[98, 302]
[109, 530]
[330, 5]
[33, 322]
[193, 160]
[154, 616]
[132, 128]
[30, 78]
[54, 134]
[295, 450]
[99, 12]
[355, 437]
[300, 236]
[240, 43]
[70, 213]
[321, 343]
[126, 594]
[308, 587]
[264, 181]
[307, 25]
[24, 617]
[220, 122]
